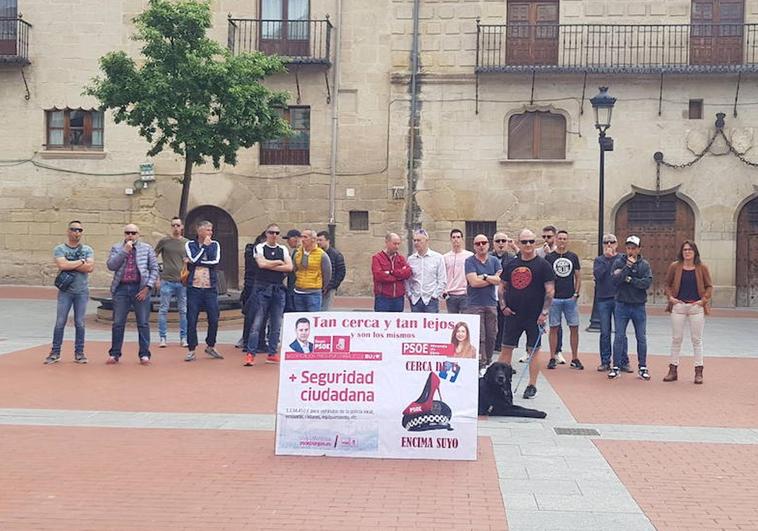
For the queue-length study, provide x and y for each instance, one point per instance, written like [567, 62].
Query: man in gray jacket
[135, 270]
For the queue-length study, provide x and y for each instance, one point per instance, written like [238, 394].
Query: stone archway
[662, 222]
[747, 255]
[225, 232]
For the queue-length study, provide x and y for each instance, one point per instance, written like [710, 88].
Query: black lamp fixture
[602, 104]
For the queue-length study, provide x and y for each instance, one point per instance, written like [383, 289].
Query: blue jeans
[251, 306]
[308, 302]
[625, 313]
[420, 307]
[270, 301]
[388, 304]
[606, 309]
[197, 300]
[65, 301]
[172, 289]
[124, 299]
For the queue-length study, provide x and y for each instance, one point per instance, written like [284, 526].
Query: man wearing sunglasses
[171, 249]
[548, 246]
[605, 296]
[483, 277]
[526, 297]
[135, 272]
[504, 250]
[77, 259]
[274, 262]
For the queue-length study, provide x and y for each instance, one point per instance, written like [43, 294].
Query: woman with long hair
[689, 289]
[461, 341]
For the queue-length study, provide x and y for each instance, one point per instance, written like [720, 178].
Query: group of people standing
[517, 288]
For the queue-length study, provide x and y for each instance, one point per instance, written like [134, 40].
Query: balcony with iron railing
[14, 40]
[617, 48]
[297, 41]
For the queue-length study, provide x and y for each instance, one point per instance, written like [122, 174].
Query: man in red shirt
[389, 270]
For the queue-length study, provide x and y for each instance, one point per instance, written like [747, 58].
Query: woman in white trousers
[689, 289]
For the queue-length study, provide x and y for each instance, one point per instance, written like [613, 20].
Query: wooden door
[532, 32]
[225, 233]
[747, 255]
[716, 32]
[662, 223]
[285, 27]
[8, 27]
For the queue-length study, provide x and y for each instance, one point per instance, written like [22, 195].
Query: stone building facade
[502, 137]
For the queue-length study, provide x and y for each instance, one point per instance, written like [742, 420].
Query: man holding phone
[135, 272]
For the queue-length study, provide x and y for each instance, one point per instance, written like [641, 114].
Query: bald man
[135, 272]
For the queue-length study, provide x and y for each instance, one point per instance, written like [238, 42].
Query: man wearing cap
[428, 278]
[632, 276]
[293, 242]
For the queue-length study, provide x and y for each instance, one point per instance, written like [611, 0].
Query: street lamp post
[602, 104]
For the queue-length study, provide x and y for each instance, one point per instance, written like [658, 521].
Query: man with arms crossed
[79, 260]
[171, 249]
[390, 271]
[527, 293]
[483, 276]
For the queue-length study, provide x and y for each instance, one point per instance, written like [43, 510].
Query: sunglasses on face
[75, 229]
[131, 232]
[547, 236]
[609, 241]
[272, 232]
[481, 243]
[501, 241]
[527, 242]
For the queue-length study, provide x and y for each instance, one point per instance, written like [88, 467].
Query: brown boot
[699, 375]
[672, 375]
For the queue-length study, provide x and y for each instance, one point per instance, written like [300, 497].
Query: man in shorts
[527, 292]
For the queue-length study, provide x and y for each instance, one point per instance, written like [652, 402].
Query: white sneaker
[560, 358]
[163, 343]
[524, 358]
[183, 342]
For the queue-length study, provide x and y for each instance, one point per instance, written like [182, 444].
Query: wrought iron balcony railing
[617, 48]
[298, 41]
[14, 40]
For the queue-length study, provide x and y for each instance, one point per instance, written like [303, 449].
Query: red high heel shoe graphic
[426, 413]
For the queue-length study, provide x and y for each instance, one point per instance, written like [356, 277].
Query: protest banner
[386, 385]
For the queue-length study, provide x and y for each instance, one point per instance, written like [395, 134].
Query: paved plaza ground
[191, 446]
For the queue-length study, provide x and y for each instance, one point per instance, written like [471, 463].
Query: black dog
[496, 397]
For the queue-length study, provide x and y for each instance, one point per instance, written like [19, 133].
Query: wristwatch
[484, 277]
[545, 312]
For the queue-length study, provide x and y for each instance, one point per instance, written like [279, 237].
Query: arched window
[537, 135]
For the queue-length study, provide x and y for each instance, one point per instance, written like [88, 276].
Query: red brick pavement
[98, 478]
[729, 387]
[683, 486]
[169, 385]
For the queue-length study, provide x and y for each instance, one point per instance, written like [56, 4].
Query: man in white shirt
[455, 267]
[429, 278]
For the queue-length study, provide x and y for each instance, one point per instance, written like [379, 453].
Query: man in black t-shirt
[566, 267]
[527, 293]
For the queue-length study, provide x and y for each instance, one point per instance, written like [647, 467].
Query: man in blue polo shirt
[483, 277]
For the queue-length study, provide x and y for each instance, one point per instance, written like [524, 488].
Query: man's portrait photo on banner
[302, 331]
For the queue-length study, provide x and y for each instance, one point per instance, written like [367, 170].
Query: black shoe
[52, 358]
[626, 368]
[603, 367]
[530, 391]
[643, 373]
[79, 357]
[513, 371]
[613, 373]
[576, 364]
[551, 364]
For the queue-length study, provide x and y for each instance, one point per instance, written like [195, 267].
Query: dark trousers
[251, 306]
[388, 304]
[124, 299]
[270, 300]
[202, 299]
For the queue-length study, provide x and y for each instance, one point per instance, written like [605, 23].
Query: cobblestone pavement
[171, 446]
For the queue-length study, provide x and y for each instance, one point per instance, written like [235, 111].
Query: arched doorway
[662, 222]
[747, 255]
[225, 232]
